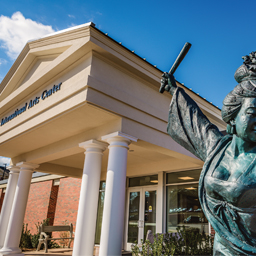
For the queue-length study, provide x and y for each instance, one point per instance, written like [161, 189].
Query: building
[3, 172]
[78, 104]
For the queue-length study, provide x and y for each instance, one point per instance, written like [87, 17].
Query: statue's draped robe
[235, 227]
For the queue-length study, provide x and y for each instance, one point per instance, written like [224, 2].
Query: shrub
[25, 241]
[29, 241]
[185, 242]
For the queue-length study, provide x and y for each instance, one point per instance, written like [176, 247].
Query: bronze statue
[227, 185]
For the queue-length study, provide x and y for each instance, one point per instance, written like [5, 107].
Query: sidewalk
[63, 252]
[51, 252]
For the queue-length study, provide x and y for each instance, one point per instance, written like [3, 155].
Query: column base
[15, 254]
[11, 251]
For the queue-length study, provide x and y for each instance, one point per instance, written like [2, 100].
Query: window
[100, 211]
[143, 181]
[183, 206]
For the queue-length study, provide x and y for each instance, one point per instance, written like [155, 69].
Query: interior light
[191, 188]
[186, 178]
[154, 181]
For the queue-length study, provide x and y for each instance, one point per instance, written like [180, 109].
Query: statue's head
[244, 92]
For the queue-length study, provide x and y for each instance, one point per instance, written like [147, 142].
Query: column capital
[118, 136]
[93, 146]
[13, 169]
[27, 166]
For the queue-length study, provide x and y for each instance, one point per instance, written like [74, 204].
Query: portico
[78, 104]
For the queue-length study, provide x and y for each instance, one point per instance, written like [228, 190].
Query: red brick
[67, 203]
[38, 203]
[68, 199]
[212, 231]
[52, 204]
[60, 203]
[2, 194]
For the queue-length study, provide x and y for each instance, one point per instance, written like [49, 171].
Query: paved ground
[51, 252]
[62, 252]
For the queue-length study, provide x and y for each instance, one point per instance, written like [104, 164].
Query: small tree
[25, 240]
[184, 242]
[29, 241]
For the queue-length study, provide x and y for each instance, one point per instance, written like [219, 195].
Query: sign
[45, 94]
[150, 208]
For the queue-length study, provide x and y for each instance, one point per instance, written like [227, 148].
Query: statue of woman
[227, 185]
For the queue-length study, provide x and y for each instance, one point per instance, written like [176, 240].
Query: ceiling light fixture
[191, 188]
[186, 178]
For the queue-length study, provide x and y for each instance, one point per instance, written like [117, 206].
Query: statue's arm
[169, 83]
[187, 124]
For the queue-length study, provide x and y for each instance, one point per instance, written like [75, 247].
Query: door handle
[140, 223]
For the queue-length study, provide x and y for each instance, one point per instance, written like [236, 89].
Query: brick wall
[52, 204]
[67, 204]
[45, 200]
[57, 202]
[38, 203]
[212, 231]
[68, 199]
[2, 194]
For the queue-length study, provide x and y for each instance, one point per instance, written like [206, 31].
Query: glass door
[141, 214]
[149, 212]
[134, 216]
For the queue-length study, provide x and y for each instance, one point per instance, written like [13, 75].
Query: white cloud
[3, 61]
[71, 16]
[4, 160]
[17, 30]
[72, 25]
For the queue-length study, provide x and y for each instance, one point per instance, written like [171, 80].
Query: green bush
[185, 242]
[25, 240]
[29, 241]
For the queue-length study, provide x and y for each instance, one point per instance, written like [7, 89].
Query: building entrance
[141, 214]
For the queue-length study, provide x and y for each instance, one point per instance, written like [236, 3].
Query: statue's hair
[245, 75]
[234, 100]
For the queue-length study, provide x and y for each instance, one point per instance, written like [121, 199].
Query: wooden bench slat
[57, 238]
[55, 228]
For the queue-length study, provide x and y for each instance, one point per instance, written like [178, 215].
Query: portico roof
[103, 88]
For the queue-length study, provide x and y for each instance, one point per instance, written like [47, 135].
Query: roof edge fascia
[14, 67]
[29, 45]
[71, 29]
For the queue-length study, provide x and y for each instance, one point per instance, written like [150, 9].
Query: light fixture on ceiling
[186, 178]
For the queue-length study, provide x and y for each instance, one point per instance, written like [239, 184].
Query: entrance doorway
[141, 214]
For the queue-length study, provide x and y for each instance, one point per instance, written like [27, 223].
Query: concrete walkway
[63, 252]
[51, 252]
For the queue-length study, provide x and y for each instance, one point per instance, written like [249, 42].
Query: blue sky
[220, 32]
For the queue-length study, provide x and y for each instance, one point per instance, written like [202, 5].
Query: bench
[44, 237]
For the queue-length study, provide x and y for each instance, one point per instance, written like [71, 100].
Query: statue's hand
[168, 82]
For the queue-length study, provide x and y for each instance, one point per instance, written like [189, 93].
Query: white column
[13, 234]
[88, 202]
[8, 201]
[160, 204]
[114, 202]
